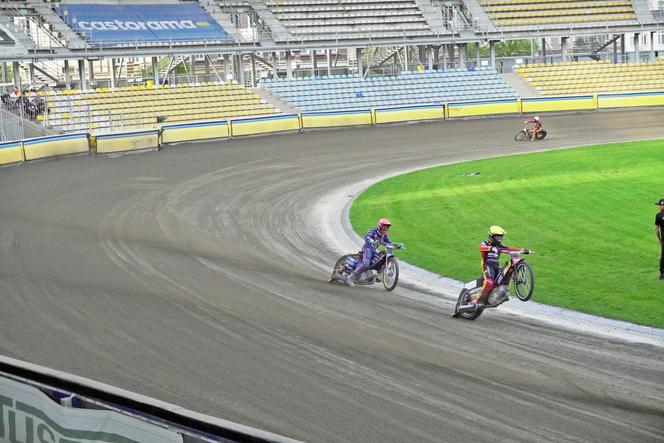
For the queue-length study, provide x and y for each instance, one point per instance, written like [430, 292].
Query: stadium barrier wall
[548, 104]
[11, 152]
[485, 107]
[628, 100]
[195, 131]
[55, 145]
[50, 405]
[328, 119]
[263, 125]
[409, 113]
[127, 141]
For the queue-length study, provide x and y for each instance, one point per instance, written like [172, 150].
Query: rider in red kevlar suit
[490, 249]
[537, 126]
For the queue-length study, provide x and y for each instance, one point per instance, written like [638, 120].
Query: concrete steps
[73, 39]
[277, 101]
[521, 86]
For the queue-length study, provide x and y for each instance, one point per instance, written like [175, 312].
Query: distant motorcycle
[515, 278]
[383, 267]
[525, 134]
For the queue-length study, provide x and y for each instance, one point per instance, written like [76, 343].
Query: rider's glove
[525, 251]
[371, 242]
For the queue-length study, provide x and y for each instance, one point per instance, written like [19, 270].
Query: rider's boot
[350, 280]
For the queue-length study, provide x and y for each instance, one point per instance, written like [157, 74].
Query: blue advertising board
[129, 23]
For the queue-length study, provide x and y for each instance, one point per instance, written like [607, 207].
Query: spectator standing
[659, 231]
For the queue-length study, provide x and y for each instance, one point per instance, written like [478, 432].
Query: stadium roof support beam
[492, 53]
[155, 72]
[430, 57]
[637, 50]
[462, 54]
[112, 76]
[289, 66]
[31, 73]
[444, 56]
[563, 48]
[313, 62]
[81, 75]
[360, 68]
[228, 67]
[67, 76]
[652, 46]
[17, 74]
[328, 56]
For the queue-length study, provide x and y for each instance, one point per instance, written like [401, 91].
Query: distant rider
[537, 127]
[372, 240]
[490, 250]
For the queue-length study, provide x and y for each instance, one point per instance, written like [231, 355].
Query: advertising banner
[28, 415]
[129, 23]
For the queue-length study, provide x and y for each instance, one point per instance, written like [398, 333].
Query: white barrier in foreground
[28, 412]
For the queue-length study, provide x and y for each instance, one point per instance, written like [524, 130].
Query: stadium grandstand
[104, 65]
[112, 76]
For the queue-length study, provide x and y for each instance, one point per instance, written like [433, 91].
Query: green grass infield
[588, 213]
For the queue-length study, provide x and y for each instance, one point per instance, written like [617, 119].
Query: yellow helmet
[495, 234]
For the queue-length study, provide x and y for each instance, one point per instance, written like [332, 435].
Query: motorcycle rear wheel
[339, 267]
[464, 297]
[391, 274]
[523, 281]
[540, 135]
[521, 135]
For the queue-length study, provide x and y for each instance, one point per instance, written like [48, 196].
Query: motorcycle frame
[504, 278]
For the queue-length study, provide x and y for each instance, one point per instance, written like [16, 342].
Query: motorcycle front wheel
[391, 274]
[521, 135]
[524, 281]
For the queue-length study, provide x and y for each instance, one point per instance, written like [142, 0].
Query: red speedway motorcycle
[526, 134]
[516, 277]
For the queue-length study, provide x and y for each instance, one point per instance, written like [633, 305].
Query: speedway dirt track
[197, 275]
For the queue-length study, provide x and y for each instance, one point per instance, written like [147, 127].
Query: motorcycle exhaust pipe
[467, 308]
[339, 276]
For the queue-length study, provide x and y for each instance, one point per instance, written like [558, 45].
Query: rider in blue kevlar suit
[371, 240]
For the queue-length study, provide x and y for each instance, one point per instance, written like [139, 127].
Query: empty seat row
[136, 107]
[422, 88]
[594, 77]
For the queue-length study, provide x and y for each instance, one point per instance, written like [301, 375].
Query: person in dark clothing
[659, 232]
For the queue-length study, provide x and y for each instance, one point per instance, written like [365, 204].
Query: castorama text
[131, 22]
[116, 25]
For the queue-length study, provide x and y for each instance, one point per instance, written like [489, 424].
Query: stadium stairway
[643, 12]
[278, 102]
[74, 41]
[481, 19]
[520, 85]
[279, 31]
[214, 9]
[433, 15]
[22, 38]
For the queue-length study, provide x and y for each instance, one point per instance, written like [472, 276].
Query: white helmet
[536, 118]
